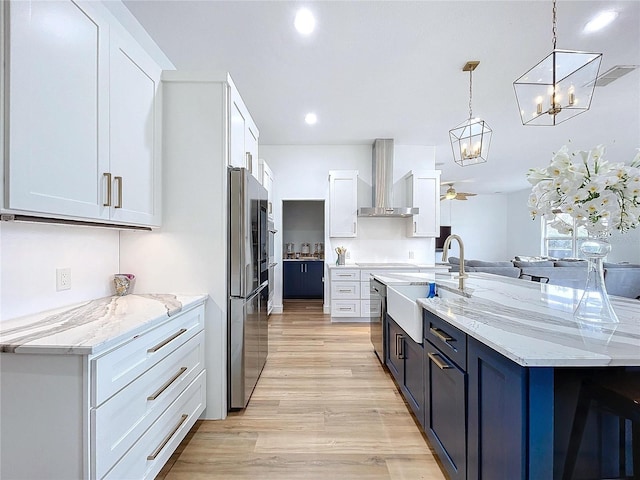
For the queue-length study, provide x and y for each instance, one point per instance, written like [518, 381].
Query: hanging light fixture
[559, 87]
[471, 139]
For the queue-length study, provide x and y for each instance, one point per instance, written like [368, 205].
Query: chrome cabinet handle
[354, 227]
[399, 349]
[415, 228]
[119, 182]
[167, 340]
[108, 202]
[249, 162]
[173, 431]
[344, 291]
[441, 364]
[440, 334]
[344, 309]
[164, 386]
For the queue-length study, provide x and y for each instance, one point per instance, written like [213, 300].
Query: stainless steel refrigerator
[248, 269]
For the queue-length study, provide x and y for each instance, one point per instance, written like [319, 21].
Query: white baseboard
[277, 310]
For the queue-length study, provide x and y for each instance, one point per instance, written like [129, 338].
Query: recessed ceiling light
[304, 22]
[600, 21]
[310, 118]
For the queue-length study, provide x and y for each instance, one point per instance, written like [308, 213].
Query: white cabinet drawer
[150, 453]
[370, 308]
[345, 308]
[120, 421]
[115, 369]
[341, 274]
[341, 290]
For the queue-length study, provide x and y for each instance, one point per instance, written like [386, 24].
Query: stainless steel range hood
[382, 179]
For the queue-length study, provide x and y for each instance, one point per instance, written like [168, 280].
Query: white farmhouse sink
[402, 307]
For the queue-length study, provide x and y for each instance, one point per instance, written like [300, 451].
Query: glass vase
[594, 306]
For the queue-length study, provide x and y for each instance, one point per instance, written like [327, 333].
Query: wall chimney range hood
[382, 179]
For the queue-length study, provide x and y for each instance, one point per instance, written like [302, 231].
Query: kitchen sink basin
[402, 307]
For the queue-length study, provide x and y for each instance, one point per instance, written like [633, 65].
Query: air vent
[614, 73]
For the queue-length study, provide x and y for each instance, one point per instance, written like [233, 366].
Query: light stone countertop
[532, 323]
[93, 326]
[390, 266]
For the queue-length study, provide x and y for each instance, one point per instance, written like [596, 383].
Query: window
[561, 245]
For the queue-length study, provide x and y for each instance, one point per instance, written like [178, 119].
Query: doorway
[303, 249]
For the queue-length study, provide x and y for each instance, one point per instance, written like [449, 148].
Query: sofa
[621, 279]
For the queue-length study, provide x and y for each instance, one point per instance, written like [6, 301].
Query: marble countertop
[90, 327]
[532, 323]
[389, 266]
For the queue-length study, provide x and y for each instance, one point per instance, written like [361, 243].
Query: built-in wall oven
[378, 289]
[272, 264]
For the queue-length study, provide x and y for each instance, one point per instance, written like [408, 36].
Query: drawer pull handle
[158, 392]
[164, 342]
[440, 334]
[108, 202]
[119, 182]
[344, 290]
[345, 309]
[345, 275]
[442, 365]
[157, 451]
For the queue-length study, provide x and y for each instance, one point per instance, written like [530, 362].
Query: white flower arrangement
[597, 194]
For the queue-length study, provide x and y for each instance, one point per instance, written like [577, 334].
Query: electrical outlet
[63, 279]
[410, 255]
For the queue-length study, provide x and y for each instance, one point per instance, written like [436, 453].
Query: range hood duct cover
[382, 179]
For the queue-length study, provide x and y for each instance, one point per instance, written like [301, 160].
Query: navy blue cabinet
[510, 417]
[405, 360]
[303, 279]
[446, 394]
[394, 360]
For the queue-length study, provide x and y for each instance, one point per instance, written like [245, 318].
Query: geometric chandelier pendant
[559, 87]
[471, 139]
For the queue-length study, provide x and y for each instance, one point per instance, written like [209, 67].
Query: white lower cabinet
[118, 414]
[146, 458]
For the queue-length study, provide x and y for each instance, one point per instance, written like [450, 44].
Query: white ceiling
[392, 69]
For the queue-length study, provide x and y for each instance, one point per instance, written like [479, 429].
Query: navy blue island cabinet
[486, 417]
[510, 417]
[405, 360]
[303, 279]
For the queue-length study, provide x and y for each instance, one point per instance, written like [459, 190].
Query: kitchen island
[502, 364]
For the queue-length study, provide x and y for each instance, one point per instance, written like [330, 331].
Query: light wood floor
[323, 408]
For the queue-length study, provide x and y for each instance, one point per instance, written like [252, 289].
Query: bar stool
[620, 396]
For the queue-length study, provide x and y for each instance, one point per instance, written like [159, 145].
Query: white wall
[523, 233]
[499, 227]
[303, 222]
[30, 255]
[301, 172]
[481, 223]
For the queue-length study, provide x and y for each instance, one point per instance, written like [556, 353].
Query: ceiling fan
[451, 193]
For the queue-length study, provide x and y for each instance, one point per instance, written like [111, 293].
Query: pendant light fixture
[471, 139]
[559, 87]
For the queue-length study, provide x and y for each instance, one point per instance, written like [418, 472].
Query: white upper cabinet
[83, 136]
[343, 203]
[267, 182]
[244, 135]
[134, 126]
[58, 108]
[423, 191]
